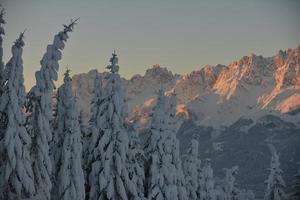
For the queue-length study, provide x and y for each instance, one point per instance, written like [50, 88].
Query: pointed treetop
[173, 99]
[160, 94]
[113, 67]
[2, 21]
[233, 171]
[67, 76]
[67, 73]
[208, 162]
[75, 96]
[2, 13]
[161, 100]
[20, 42]
[194, 147]
[69, 28]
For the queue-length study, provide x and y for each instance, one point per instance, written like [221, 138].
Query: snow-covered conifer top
[113, 67]
[2, 21]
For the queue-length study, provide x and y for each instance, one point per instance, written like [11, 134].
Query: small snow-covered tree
[295, 195]
[200, 181]
[109, 176]
[135, 165]
[245, 195]
[229, 188]
[16, 175]
[40, 112]
[275, 182]
[68, 173]
[190, 167]
[209, 183]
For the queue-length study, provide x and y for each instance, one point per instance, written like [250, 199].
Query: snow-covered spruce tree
[174, 148]
[135, 164]
[3, 118]
[85, 144]
[40, 112]
[84, 135]
[200, 181]
[164, 173]
[83, 127]
[98, 120]
[190, 166]
[275, 182]
[209, 183]
[109, 176]
[16, 175]
[229, 189]
[69, 179]
[92, 152]
[55, 145]
[156, 185]
[2, 32]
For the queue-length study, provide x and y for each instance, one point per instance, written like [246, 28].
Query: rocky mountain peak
[161, 74]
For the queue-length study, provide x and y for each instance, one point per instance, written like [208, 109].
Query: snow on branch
[2, 21]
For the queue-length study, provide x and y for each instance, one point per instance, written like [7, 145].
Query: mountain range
[215, 96]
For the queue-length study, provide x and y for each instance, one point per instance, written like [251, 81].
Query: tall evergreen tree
[83, 127]
[98, 122]
[209, 183]
[16, 180]
[190, 167]
[275, 182]
[174, 148]
[135, 164]
[2, 32]
[109, 176]
[165, 179]
[156, 185]
[3, 118]
[40, 108]
[68, 172]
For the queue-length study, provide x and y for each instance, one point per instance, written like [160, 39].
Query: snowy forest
[48, 153]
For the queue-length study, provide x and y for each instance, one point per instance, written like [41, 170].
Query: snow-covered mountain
[214, 96]
[251, 86]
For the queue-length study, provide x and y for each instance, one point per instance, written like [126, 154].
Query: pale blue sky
[181, 35]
